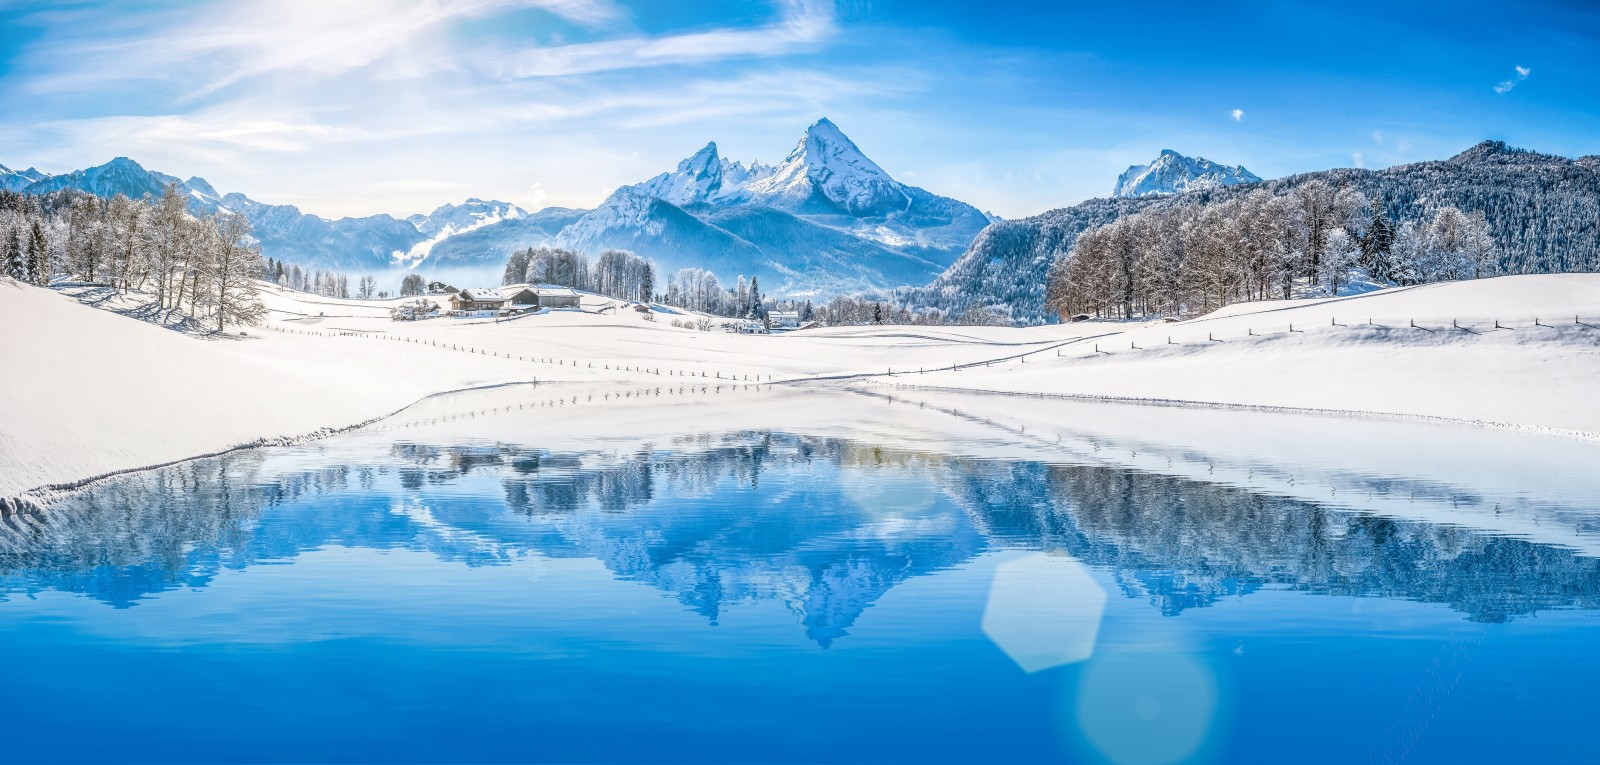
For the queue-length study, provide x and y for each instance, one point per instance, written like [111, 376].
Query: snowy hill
[1543, 212]
[1173, 173]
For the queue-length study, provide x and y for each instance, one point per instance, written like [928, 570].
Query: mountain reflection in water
[825, 526]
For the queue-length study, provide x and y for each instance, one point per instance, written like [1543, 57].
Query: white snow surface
[89, 392]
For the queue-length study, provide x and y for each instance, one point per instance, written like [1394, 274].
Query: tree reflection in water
[824, 526]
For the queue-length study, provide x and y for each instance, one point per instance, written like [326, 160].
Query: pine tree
[753, 310]
[13, 263]
[38, 256]
[1377, 247]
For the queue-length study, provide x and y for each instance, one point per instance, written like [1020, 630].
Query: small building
[784, 319]
[550, 296]
[474, 299]
[520, 297]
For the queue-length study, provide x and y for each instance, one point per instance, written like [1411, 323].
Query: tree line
[201, 267]
[1191, 258]
[618, 273]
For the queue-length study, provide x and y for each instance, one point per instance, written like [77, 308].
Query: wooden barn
[556, 297]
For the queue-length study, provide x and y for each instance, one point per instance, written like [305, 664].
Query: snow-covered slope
[1173, 173]
[451, 220]
[493, 243]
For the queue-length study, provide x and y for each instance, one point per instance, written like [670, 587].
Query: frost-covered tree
[1340, 254]
[231, 273]
[516, 268]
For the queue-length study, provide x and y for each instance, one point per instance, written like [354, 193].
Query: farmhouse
[475, 299]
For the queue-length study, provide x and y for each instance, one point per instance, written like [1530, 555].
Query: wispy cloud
[1358, 160]
[222, 47]
[1238, 115]
[1522, 74]
[802, 23]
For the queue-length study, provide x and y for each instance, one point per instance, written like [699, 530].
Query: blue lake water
[425, 594]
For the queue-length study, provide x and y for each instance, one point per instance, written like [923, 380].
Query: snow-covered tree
[231, 273]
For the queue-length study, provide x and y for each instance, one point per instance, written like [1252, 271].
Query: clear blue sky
[350, 107]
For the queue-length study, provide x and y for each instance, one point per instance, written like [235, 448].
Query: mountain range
[827, 220]
[1173, 173]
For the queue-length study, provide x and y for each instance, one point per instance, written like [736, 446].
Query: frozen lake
[752, 574]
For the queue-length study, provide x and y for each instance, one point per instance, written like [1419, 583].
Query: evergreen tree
[38, 256]
[13, 263]
[1377, 247]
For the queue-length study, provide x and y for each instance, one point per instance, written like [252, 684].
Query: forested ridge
[1542, 212]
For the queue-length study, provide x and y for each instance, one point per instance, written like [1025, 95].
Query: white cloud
[1377, 136]
[1358, 160]
[1522, 74]
[1238, 115]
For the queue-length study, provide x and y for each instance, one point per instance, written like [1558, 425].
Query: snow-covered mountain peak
[828, 164]
[1174, 173]
[203, 186]
[16, 180]
[702, 178]
[704, 161]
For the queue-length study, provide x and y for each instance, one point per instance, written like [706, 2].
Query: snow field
[89, 392]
